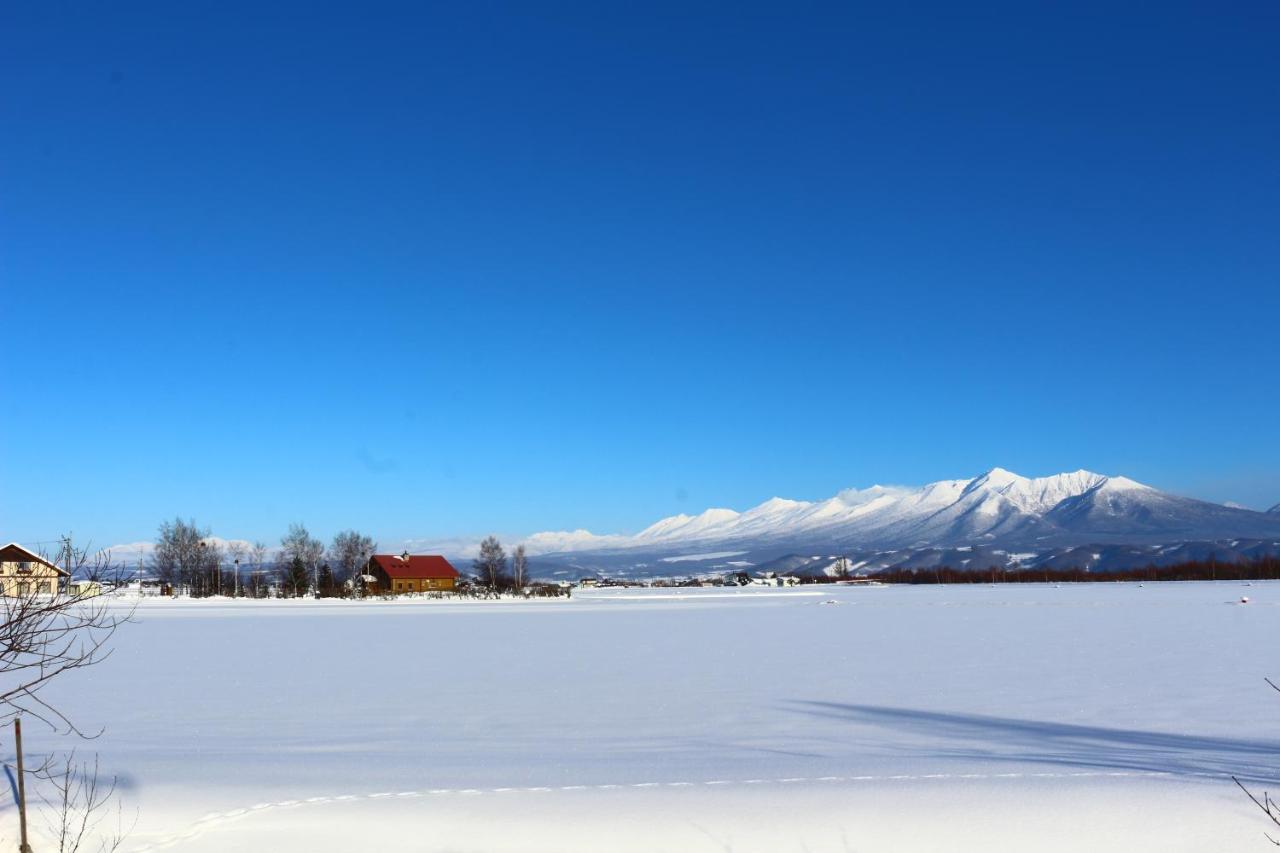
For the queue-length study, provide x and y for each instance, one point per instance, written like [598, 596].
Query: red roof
[415, 566]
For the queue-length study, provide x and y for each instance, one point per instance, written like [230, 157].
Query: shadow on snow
[1004, 739]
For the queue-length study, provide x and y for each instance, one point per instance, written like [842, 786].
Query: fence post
[23, 846]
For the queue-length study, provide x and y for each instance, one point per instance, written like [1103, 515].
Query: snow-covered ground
[1101, 716]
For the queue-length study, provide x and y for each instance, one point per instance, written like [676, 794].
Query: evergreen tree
[294, 581]
[325, 585]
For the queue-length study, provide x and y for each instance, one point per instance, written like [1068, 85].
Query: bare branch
[43, 637]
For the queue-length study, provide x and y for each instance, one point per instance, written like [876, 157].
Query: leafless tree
[181, 554]
[299, 548]
[349, 554]
[257, 559]
[519, 568]
[99, 567]
[121, 574]
[81, 561]
[1268, 806]
[77, 801]
[491, 566]
[42, 638]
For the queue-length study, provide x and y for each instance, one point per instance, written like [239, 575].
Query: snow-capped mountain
[996, 509]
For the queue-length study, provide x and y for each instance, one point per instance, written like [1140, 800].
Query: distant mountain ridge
[997, 509]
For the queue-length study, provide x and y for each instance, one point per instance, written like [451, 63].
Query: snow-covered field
[1102, 717]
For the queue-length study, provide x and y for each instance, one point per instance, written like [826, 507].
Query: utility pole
[66, 550]
[23, 846]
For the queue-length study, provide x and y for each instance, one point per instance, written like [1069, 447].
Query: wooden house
[392, 573]
[24, 572]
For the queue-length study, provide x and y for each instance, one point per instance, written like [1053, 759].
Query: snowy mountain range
[999, 510]
[1079, 519]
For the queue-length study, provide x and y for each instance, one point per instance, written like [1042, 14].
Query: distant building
[406, 572]
[84, 589]
[774, 579]
[587, 583]
[24, 572]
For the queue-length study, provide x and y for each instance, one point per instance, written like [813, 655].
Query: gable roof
[15, 553]
[415, 566]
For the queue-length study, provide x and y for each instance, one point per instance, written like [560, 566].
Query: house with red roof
[398, 573]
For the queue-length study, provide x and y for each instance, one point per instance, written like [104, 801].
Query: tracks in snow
[215, 819]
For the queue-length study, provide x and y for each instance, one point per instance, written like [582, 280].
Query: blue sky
[441, 270]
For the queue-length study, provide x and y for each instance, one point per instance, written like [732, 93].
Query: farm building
[24, 572]
[410, 573]
[84, 589]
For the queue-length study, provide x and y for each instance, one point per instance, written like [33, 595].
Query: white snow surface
[1098, 716]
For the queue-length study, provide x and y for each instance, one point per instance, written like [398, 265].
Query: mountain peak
[1275, 509]
[1124, 484]
[997, 479]
[779, 503]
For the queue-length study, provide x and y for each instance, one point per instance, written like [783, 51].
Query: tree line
[1262, 568]
[190, 561]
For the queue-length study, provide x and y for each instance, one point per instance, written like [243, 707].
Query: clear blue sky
[442, 269]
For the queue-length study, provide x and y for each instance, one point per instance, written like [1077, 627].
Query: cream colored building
[24, 572]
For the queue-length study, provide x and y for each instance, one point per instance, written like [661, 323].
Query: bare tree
[42, 638]
[300, 558]
[99, 567]
[491, 566]
[76, 802]
[519, 568]
[81, 561]
[257, 559]
[208, 576]
[1268, 806]
[178, 559]
[121, 574]
[350, 553]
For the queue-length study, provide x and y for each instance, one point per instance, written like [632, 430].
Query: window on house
[24, 589]
[45, 588]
